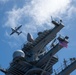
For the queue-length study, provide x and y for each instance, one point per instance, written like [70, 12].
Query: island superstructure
[34, 59]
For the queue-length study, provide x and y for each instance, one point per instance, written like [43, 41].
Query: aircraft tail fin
[19, 33]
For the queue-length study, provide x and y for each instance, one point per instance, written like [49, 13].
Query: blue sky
[35, 15]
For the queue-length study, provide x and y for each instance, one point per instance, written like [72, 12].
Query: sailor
[65, 63]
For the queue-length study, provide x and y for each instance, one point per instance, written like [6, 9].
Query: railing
[64, 66]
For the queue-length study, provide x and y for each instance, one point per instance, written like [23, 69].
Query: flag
[63, 43]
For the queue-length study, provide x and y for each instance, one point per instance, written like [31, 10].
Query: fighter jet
[16, 30]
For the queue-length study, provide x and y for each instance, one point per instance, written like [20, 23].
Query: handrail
[64, 66]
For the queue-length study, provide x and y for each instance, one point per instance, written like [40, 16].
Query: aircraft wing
[19, 27]
[12, 33]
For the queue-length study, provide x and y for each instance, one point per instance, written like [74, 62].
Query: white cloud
[37, 13]
[71, 11]
[42, 10]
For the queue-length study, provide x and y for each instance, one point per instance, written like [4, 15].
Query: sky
[35, 16]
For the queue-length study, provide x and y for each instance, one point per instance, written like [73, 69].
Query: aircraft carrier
[34, 59]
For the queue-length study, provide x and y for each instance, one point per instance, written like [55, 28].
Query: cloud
[12, 45]
[71, 11]
[42, 10]
[35, 15]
